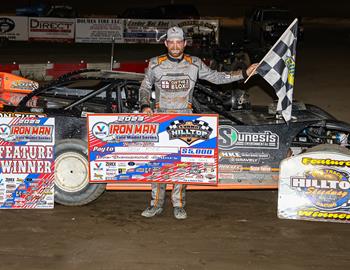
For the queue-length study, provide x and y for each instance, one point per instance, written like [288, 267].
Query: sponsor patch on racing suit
[174, 81]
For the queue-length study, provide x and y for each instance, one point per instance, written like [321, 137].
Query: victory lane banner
[164, 148]
[27, 162]
[315, 186]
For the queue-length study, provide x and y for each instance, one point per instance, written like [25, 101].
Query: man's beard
[175, 53]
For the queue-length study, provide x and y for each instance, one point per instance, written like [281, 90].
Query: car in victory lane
[252, 139]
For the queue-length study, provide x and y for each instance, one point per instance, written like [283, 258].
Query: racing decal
[14, 27]
[230, 138]
[26, 163]
[315, 186]
[242, 157]
[162, 148]
[24, 85]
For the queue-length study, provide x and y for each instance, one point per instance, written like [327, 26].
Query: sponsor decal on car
[230, 138]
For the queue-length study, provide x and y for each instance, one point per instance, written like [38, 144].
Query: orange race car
[13, 88]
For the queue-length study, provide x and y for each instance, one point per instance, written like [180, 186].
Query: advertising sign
[98, 30]
[315, 186]
[54, 29]
[26, 163]
[164, 148]
[14, 28]
[150, 31]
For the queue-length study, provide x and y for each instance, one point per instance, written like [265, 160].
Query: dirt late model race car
[252, 139]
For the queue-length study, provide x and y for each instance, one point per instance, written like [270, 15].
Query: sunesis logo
[230, 138]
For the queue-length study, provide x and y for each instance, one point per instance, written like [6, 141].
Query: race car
[253, 140]
[13, 88]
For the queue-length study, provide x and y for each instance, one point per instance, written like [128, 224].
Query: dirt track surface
[225, 229]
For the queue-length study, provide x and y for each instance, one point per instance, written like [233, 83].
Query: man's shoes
[180, 213]
[152, 211]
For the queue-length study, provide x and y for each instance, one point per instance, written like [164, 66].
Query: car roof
[109, 74]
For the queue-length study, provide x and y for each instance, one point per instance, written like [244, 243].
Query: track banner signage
[315, 186]
[51, 29]
[98, 30]
[197, 32]
[164, 148]
[14, 28]
[27, 162]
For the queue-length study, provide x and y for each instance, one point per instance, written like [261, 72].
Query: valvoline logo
[5, 131]
[100, 130]
[98, 165]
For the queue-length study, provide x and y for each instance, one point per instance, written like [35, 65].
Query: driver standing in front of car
[174, 76]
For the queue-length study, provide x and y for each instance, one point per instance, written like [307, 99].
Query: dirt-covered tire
[72, 187]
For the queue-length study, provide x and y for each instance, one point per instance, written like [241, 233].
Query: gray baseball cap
[175, 33]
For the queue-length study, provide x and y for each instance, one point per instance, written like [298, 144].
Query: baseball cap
[175, 33]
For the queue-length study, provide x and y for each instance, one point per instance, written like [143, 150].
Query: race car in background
[13, 88]
[266, 24]
[253, 140]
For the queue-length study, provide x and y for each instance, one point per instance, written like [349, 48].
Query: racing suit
[174, 81]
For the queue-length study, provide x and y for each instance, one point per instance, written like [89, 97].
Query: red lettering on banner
[25, 167]
[31, 130]
[146, 129]
[120, 129]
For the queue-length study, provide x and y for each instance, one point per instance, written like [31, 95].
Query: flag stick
[251, 74]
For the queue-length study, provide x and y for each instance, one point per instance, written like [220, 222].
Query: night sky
[220, 8]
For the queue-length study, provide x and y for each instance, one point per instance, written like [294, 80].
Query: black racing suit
[174, 81]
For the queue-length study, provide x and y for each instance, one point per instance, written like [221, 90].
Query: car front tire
[72, 187]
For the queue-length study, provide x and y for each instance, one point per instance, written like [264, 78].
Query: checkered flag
[204, 125]
[278, 68]
[174, 124]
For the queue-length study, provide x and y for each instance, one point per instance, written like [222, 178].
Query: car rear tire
[72, 187]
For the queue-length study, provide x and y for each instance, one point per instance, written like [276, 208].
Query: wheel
[72, 185]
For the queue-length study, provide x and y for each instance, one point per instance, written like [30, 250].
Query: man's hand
[148, 111]
[252, 69]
